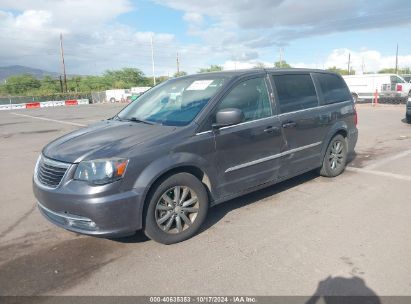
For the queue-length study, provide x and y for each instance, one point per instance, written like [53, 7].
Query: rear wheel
[335, 158]
[176, 209]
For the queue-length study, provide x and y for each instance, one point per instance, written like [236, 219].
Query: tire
[335, 155]
[112, 99]
[163, 214]
[408, 118]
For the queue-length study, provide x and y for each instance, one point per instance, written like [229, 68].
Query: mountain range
[13, 70]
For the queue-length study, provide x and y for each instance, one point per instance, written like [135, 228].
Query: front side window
[175, 102]
[295, 92]
[251, 97]
[396, 79]
[333, 88]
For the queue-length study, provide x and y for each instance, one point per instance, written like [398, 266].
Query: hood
[103, 140]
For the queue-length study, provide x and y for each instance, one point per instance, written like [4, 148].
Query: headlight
[101, 171]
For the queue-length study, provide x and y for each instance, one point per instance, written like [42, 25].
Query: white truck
[124, 95]
[388, 86]
[117, 95]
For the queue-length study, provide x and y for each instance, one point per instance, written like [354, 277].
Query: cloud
[361, 61]
[93, 40]
[194, 18]
[277, 22]
[236, 32]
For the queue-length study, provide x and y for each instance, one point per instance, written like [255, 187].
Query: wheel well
[197, 172]
[342, 132]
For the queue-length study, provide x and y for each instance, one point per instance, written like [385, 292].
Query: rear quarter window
[295, 92]
[333, 88]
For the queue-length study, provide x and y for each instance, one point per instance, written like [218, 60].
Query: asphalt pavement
[346, 235]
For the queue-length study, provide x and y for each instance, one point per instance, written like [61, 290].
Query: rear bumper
[100, 212]
[352, 139]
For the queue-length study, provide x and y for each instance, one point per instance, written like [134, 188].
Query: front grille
[51, 172]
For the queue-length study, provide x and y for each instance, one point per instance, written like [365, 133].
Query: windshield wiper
[134, 119]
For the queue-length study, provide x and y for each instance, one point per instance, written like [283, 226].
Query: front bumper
[92, 210]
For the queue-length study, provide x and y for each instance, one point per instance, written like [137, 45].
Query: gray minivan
[191, 143]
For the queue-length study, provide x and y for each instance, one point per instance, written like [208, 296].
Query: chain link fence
[98, 97]
[4, 100]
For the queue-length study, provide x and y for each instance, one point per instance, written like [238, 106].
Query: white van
[389, 86]
[117, 95]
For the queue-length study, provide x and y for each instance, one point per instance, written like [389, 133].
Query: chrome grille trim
[49, 172]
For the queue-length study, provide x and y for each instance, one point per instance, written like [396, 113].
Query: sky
[112, 34]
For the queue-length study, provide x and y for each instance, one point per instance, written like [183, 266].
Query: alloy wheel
[336, 155]
[177, 209]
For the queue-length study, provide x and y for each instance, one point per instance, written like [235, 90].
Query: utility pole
[62, 61]
[396, 61]
[61, 84]
[178, 65]
[152, 58]
[349, 62]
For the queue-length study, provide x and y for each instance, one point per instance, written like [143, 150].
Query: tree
[49, 85]
[127, 77]
[282, 64]
[179, 74]
[387, 71]
[21, 84]
[340, 71]
[120, 79]
[212, 68]
[260, 65]
[392, 71]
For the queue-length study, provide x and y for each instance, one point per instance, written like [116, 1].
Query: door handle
[290, 124]
[271, 129]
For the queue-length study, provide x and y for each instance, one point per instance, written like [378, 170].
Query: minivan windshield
[175, 102]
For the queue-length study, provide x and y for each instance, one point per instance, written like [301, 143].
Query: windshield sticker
[199, 85]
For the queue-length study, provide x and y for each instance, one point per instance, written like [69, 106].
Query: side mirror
[228, 117]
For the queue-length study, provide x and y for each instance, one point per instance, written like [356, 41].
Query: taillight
[399, 87]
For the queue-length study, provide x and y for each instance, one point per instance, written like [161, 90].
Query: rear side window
[333, 88]
[295, 92]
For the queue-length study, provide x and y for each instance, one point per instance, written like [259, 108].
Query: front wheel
[335, 157]
[176, 209]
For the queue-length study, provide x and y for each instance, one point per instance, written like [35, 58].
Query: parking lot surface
[346, 235]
